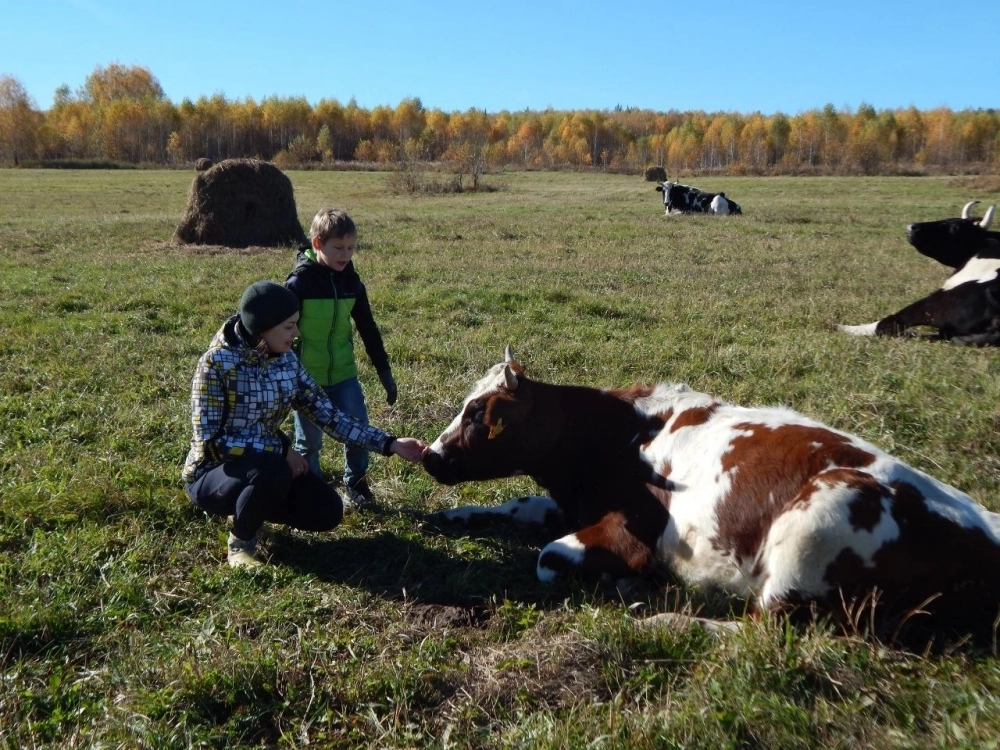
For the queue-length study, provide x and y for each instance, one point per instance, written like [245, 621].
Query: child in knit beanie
[241, 463]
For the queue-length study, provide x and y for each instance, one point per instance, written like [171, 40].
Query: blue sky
[771, 56]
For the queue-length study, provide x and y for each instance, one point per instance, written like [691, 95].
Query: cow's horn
[987, 219]
[508, 354]
[509, 378]
[966, 208]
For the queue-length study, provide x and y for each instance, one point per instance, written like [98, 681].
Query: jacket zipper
[333, 330]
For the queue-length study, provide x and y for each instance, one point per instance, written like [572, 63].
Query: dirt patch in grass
[547, 672]
[440, 616]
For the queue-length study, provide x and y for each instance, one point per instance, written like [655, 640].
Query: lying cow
[966, 309]
[763, 503]
[684, 199]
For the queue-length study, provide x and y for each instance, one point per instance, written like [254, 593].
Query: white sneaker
[241, 558]
[243, 554]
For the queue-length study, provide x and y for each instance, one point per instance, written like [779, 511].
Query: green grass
[122, 627]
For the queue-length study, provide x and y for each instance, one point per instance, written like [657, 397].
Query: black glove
[390, 386]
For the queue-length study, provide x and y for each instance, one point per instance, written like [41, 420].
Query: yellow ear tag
[496, 429]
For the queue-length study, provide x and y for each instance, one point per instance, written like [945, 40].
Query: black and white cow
[684, 199]
[762, 502]
[966, 309]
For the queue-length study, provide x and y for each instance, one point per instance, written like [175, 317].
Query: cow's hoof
[864, 330]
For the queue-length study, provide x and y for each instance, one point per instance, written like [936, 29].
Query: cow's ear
[509, 378]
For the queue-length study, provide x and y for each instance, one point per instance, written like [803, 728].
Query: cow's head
[489, 437]
[667, 189]
[952, 241]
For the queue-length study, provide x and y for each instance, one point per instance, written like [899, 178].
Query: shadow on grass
[417, 566]
[432, 566]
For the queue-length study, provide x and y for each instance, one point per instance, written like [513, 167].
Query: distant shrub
[284, 160]
[977, 183]
[83, 164]
[408, 178]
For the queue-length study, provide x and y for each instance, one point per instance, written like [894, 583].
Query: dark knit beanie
[264, 305]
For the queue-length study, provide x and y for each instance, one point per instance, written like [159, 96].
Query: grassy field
[121, 626]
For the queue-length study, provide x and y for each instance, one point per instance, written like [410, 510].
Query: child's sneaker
[360, 496]
[243, 554]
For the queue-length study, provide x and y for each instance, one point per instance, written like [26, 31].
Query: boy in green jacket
[333, 302]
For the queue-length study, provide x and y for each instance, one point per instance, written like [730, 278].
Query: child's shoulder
[300, 265]
[302, 274]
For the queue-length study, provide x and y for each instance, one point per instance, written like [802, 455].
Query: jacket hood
[233, 336]
[305, 258]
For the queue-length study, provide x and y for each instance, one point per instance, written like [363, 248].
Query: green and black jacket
[330, 301]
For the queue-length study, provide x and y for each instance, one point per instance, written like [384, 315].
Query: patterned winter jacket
[330, 300]
[240, 397]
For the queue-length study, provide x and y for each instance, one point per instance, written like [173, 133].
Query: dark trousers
[259, 487]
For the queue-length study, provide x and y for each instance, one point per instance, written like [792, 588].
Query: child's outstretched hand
[408, 449]
[389, 383]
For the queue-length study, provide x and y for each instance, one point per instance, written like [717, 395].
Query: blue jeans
[348, 397]
[258, 487]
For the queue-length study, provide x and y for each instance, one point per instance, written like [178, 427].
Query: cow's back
[769, 504]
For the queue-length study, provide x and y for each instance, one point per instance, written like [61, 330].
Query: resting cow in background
[966, 309]
[763, 503]
[684, 199]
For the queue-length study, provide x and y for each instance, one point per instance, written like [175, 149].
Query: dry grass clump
[241, 203]
[980, 183]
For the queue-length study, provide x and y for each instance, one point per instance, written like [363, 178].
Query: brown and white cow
[762, 502]
[966, 309]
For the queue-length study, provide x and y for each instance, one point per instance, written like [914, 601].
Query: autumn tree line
[121, 115]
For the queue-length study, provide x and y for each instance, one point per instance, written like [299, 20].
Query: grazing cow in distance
[764, 503]
[684, 199]
[966, 309]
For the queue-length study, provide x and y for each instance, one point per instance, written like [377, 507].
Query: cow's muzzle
[442, 469]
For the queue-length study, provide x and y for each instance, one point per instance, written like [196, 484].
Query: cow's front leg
[969, 311]
[606, 547]
[928, 311]
[536, 510]
[935, 311]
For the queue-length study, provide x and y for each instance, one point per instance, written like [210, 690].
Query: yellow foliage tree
[116, 81]
[120, 112]
[18, 125]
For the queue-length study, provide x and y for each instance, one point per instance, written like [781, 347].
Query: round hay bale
[241, 203]
[203, 164]
[656, 174]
